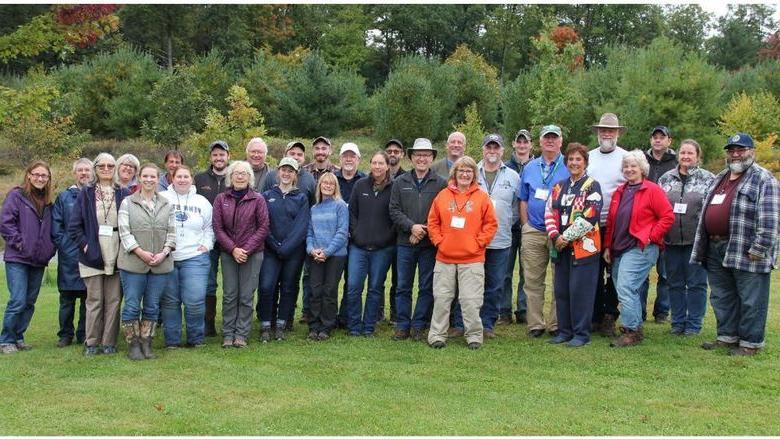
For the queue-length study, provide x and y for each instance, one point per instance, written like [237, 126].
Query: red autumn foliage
[563, 36]
[78, 14]
[771, 49]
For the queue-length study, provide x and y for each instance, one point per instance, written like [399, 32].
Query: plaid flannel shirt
[754, 223]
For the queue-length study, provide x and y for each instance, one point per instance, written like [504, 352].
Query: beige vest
[150, 230]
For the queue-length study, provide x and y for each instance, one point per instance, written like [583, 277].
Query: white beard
[607, 145]
[740, 166]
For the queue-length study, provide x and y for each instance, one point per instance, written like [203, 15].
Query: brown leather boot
[607, 328]
[147, 333]
[131, 330]
[211, 313]
[628, 337]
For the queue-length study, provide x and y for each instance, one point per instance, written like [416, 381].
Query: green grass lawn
[513, 386]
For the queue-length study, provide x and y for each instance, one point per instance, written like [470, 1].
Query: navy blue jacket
[68, 278]
[83, 225]
[289, 221]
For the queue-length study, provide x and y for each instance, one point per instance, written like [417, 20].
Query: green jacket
[150, 230]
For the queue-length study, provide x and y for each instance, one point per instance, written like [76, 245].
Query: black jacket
[660, 167]
[410, 205]
[370, 227]
[209, 184]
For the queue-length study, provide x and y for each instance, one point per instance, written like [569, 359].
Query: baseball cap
[293, 144]
[664, 130]
[219, 144]
[523, 133]
[321, 138]
[349, 146]
[554, 129]
[741, 140]
[394, 142]
[493, 138]
[288, 161]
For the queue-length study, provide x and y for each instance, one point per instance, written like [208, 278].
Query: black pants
[606, 295]
[68, 312]
[323, 302]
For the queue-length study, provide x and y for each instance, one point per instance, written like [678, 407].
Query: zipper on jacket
[682, 195]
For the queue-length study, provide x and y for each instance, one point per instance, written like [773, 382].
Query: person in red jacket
[461, 223]
[639, 217]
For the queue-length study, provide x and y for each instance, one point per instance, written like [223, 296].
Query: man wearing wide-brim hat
[738, 241]
[605, 165]
[410, 200]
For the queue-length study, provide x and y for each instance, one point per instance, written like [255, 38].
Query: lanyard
[459, 209]
[546, 180]
[182, 216]
[106, 209]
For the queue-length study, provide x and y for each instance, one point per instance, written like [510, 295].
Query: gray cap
[493, 138]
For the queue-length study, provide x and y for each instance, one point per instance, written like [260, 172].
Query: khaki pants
[103, 299]
[469, 281]
[535, 256]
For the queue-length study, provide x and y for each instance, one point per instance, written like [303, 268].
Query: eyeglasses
[40, 176]
[394, 151]
[127, 165]
[422, 154]
[736, 151]
[105, 166]
[465, 171]
[240, 173]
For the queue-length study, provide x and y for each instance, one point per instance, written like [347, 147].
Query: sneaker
[353, 334]
[417, 334]
[676, 331]
[239, 343]
[438, 344]
[322, 336]
[227, 342]
[279, 334]
[9, 349]
[536, 333]
[64, 341]
[400, 334]
[313, 336]
[22, 346]
[691, 333]
[109, 350]
[91, 351]
[172, 347]
[743, 351]
[369, 335]
[474, 345]
[196, 345]
[553, 333]
[711, 345]
[576, 343]
[265, 335]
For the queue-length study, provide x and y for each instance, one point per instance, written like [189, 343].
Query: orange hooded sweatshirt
[466, 244]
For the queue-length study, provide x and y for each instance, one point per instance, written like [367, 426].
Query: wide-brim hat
[608, 120]
[421, 144]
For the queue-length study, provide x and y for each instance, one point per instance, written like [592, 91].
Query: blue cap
[742, 140]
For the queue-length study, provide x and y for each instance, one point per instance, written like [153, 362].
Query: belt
[718, 238]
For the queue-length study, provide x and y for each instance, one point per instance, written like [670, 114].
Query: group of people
[150, 241]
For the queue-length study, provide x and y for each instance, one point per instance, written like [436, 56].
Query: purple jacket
[27, 236]
[240, 223]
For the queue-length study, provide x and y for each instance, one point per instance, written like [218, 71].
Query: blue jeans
[146, 287]
[374, 265]
[24, 284]
[407, 259]
[211, 285]
[739, 298]
[687, 289]
[187, 285]
[630, 269]
[495, 264]
[661, 304]
[505, 304]
[283, 273]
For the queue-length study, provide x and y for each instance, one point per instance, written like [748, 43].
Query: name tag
[680, 208]
[542, 194]
[105, 230]
[718, 199]
[458, 222]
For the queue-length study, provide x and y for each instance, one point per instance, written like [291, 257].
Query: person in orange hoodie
[461, 223]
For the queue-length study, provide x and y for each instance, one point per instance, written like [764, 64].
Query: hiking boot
[239, 343]
[487, 333]
[265, 335]
[417, 334]
[474, 345]
[504, 320]
[607, 328]
[455, 332]
[438, 344]
[676, 331]
[520, 318]
[628, 337]
[710, 345]
[536, 333]
[109, 350]
[323, 335]
[22, 346]
[147, 334]
[227, 342]
[210, 329]
[64, 341]
[743, 351]
[279, 334]
[400, 334]
[91, 351]
[313, 336]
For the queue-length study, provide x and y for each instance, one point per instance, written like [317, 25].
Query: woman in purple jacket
[240, 221]
[26, 227]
